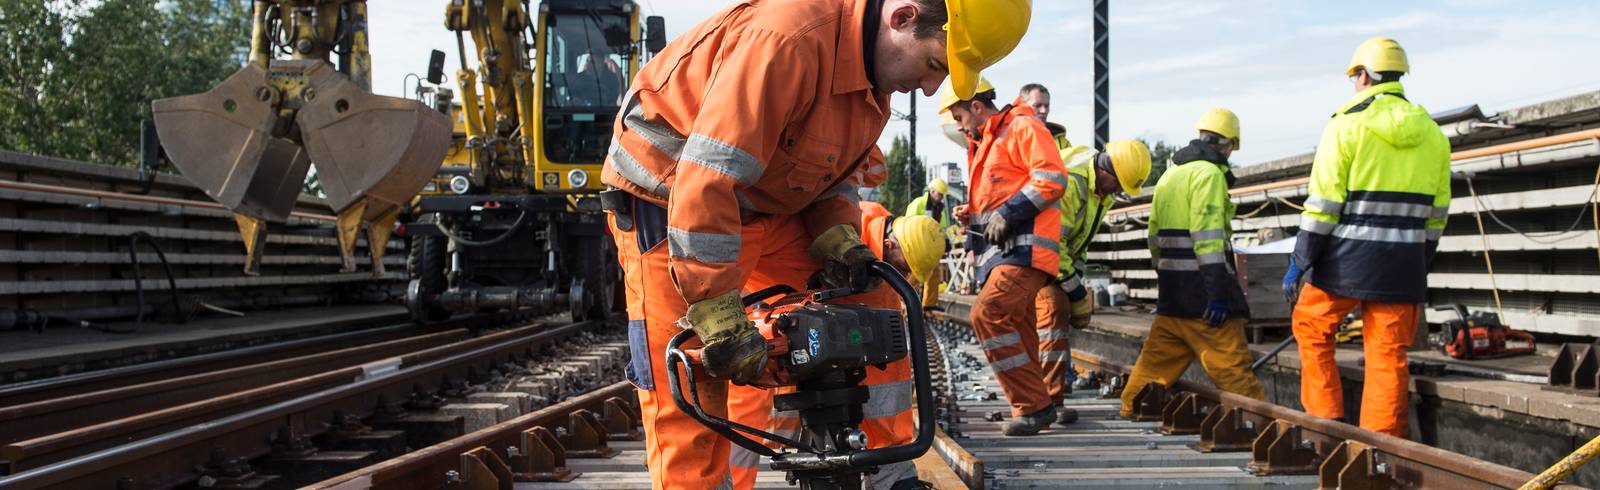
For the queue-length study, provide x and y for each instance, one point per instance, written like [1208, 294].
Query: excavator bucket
[222, 141]
[369, 147]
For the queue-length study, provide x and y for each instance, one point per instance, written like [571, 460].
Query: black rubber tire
[426, 265]
[595, 260]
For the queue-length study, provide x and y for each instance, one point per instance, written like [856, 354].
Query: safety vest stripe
[629, 168]
[1035, 241]
[739, 457]
[727, 482]
[1056, 177]
[1324, 205]
[850, 192]
[1380, 208]
[1317, 226]
[1204, 235]
[1211, 258]
[1052, 334]
[1072, 282]
[1379, 234]
[662, 137]
[1055, 356]
[887, 399]
[1172, 241]
[1178, 264]
[1036, 197]
[705, 247]
[723, 158]
[1440, 212]
[1010, 363]
[1007, 340]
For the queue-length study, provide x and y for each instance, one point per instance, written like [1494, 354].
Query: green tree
[1160, 157]
[87, 72]
[896, 191]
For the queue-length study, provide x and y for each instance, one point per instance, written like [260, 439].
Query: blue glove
[1291, 281]
[1216, 312]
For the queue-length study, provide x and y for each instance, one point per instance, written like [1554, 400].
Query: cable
[484, 243]
[1484, 236]
[1536, 236]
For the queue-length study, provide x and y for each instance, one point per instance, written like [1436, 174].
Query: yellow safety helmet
[1220, 121]
[1130, 160]
[980, 33]
[922, 242]
[1378, 54]
[947, 94]
[940, 185]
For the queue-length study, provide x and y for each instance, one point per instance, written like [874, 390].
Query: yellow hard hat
[1130, 159]
[922, 242]
[940, 185]
[947, 94]
[1379, 54]
[1220, 121]
[980, 33]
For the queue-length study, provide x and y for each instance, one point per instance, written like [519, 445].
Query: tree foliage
[79, 75]
[898, 190]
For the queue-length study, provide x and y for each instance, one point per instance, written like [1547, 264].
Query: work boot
[1066, 416]
[1032, 423]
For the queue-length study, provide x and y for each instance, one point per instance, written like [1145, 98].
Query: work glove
[1082, 309]
[1216, 312]
[734, 348]
[961, 213]
[995, 229]
[844, 258]
[1291, 282]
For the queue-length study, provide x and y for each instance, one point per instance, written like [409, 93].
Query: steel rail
[172, 201]
[1500, 149]
[168, 460]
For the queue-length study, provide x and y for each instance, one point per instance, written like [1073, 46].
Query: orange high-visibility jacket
[1016, 171]
[763, 109]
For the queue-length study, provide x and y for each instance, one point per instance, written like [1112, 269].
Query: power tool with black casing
[822, 350]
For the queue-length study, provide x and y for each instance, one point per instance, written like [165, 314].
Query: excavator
[494, 191]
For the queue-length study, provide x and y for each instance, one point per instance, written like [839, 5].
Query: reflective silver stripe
[889, 474]
[849, 191]
[1324, 205]
[744, 202]
[1382, 208]
[1377, 234]
[1006, 340]
[723, 158]
[704, 247]
[739, 457]
[629, 168]
[1071, 282]
[1435, 233]
[1172, 241]
[660, 136]
[727, 482]
[1035, 241]
[1010, 363]
[1317, 226]
[887, 399]
[1036, 197]
[1440, 213]
[1052, 334]
[1178, 264]
[1056, 177]
[1055, 356]
[1204, 235]
[1211, 258]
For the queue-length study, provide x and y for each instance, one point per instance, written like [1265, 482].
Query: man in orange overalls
[730, 162]
[1017, 177]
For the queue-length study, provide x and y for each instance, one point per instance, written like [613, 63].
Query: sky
[1279, 64]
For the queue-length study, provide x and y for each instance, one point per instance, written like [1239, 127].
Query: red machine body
[1480, 335]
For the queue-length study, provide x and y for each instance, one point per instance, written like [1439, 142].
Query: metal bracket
[1283, 449]
[1226, 429]
[586, 436]
[543, 458]
[1354, 466]
[1149, 402]
[1183, 415]
[620, 421]
[482, 469]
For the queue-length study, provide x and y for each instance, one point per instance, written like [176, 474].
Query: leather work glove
[995, 229]
[1216, 312]
[1082, 309]
[1291, 282]
[734, 348]
[844, 258]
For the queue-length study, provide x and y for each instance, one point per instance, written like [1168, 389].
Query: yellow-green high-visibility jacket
[919, 207]
[1189, 228]
[1379, 196]
[1081, 215]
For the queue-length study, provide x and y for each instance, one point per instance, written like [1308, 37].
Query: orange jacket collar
[849, 67]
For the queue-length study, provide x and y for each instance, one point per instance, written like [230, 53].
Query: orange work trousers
[681, 453]
[1004, 320]
[1173, 343]
[1055, 351]
[1387, 330]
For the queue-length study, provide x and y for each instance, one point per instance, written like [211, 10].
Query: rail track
[290, 415]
